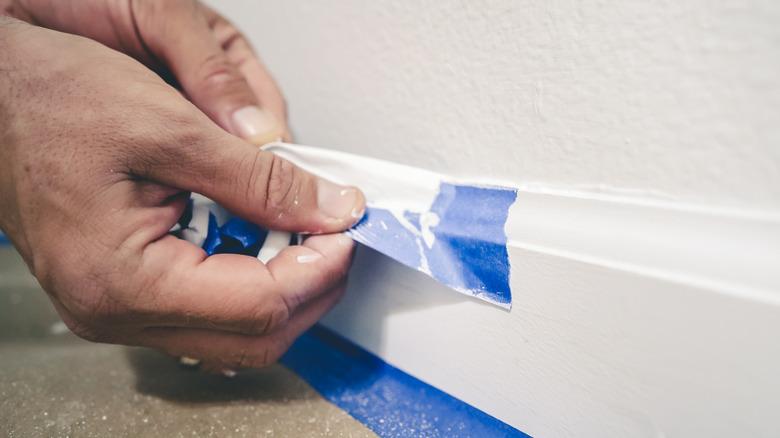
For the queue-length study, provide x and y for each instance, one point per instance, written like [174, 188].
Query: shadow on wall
[367, 303]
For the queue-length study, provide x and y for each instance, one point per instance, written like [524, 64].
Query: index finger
[240, 52]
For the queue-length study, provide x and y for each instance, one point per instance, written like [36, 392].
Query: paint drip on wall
[451, 231]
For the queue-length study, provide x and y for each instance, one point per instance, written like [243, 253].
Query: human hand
[184, 41]
[97, 156]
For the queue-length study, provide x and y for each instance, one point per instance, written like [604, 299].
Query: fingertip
[342, 206]
[319, 260]
[302, 272]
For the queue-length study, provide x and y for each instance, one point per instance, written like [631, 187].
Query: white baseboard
[727, 251]
[629, 319]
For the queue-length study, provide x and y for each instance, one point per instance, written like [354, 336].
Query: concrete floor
[55, 384]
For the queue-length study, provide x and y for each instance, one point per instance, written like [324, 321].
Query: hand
[97, 156]
[184, 41]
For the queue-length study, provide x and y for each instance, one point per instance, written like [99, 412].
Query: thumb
[254, 184]
[185, 43]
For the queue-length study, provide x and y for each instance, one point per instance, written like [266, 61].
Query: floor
[55, 384]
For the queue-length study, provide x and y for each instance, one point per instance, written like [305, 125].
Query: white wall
[669, 99]
[647, 301]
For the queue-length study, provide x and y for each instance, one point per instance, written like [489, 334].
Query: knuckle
[179, 130]
[248, 180]
[282, 187]
[269, 316]
[217, 76]
[176, 135]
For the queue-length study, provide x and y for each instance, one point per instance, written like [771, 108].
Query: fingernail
[358, 213]
[337, 201]
[308, 258]
[229, 373]
[257, 125]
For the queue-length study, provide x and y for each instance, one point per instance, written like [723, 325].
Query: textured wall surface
[678, 100]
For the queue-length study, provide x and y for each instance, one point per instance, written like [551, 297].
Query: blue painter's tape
[460, 241]
[388, 401]
[236, 236]
[213, 237]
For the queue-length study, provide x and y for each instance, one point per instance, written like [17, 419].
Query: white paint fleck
[308, 258]
[357, 213]
[428, 220]
[274, 243]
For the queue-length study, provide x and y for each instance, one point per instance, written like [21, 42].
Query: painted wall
[668, 99]
[647, 140]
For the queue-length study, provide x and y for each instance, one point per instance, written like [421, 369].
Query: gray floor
[54, 384]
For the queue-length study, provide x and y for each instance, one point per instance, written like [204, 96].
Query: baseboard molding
[629, 318]
[722, 250]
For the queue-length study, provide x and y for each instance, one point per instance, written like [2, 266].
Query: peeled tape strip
[451, 231]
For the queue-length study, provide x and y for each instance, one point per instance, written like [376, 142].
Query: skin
[98, 155]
